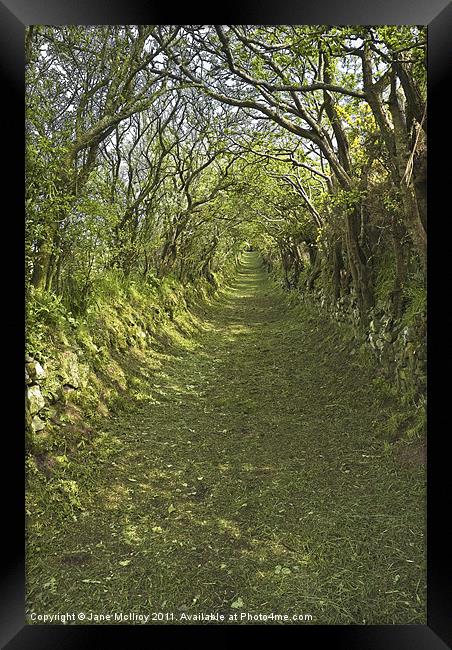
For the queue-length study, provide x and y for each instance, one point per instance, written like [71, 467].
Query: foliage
[45, 314]
[385, 280]
[415, 294]
[155, 152]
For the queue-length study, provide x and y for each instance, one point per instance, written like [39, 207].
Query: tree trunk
[337, 265]
[358, 268]
[41, 263]
[420, 182]
[409, 199]
[315, 266]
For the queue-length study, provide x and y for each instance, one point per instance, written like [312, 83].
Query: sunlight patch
[229, 527]
[130, 534]
[115, 495]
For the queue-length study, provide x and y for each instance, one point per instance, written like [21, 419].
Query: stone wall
[49, 385]
[400, 349]
[80, 372]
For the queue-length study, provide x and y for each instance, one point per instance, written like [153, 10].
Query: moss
[126, 318]
[384, 283]
[415, 296]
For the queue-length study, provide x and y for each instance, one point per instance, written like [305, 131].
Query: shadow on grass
[240, 473]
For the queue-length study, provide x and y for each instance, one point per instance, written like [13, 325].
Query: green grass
[247, 472]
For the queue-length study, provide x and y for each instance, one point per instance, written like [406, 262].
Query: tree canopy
[156, 150]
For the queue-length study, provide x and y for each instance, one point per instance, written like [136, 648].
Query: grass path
[248, 476]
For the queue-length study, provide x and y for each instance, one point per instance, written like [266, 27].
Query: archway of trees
[160, 149]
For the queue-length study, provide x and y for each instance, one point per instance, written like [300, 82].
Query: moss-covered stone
[35, 371]
[35, 399]
[37, 424]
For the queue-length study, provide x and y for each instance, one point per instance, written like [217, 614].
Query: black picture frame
[437, 14]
